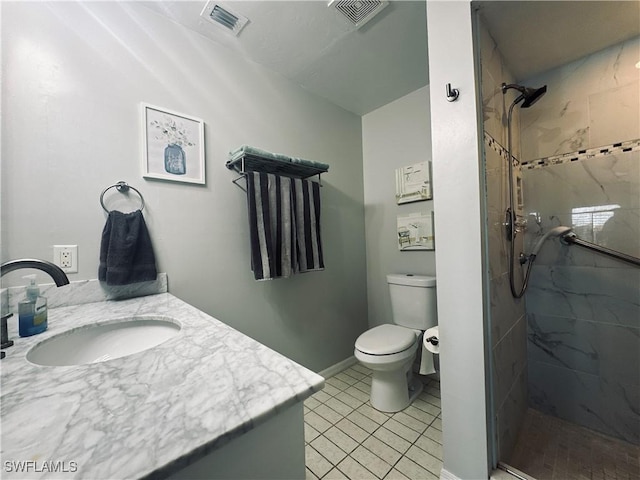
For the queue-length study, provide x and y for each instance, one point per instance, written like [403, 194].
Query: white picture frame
[172, 145]
[415, 232]
[413, 183]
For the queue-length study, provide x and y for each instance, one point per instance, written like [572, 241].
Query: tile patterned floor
[551, 449]
[345, 438]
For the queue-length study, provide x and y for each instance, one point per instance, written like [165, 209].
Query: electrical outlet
[66, 257]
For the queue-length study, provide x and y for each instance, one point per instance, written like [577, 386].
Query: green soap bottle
[32, 311]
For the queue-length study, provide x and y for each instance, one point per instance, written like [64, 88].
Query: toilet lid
[385, 340]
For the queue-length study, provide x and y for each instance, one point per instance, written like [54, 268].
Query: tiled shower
[571, 347]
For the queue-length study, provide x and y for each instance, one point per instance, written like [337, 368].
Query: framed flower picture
[173, 145]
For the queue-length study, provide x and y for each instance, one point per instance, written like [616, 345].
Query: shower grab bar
[571, 239]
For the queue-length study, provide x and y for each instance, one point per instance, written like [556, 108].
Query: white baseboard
[445, 475]
[338, 367]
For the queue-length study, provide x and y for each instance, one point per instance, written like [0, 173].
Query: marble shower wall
[590, 102]
[508, 322]
[583, 309]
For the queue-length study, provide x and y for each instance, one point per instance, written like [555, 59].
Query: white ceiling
[361, 70]
[315, 47]
[535, 36]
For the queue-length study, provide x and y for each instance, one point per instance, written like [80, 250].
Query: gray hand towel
[126, 252]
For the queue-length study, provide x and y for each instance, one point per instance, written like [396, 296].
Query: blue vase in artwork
[174, 159]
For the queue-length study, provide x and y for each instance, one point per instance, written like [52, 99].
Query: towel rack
[122, 187]
[249, 162]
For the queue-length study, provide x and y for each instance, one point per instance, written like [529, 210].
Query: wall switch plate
[66, 257]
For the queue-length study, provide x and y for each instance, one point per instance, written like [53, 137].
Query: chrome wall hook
[452, 93]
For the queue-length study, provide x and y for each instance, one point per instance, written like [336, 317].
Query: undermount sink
[104, 341]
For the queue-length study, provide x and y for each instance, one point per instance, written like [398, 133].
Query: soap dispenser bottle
[32, 311]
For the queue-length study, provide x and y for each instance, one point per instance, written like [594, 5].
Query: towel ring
[121, 187]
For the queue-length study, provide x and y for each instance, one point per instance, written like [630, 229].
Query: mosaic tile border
[615, 148]
[496, 147]
[620, 147]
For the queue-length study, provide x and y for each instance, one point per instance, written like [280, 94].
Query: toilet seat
[386, 340]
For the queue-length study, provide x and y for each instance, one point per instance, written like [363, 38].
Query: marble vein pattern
[583, 309]
[148, 414]
[590, 102]
[87, 291]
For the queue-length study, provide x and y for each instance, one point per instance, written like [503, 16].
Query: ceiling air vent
[358, 12]
[224, 17]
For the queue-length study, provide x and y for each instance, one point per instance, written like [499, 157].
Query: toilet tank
[413, 300]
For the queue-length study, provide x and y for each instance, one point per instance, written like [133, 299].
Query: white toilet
[389, 350]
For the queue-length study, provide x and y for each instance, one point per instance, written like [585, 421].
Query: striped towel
[306, 201]
[284, 225]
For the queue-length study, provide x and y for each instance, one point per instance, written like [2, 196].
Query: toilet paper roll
[427, 365]
[429, 333]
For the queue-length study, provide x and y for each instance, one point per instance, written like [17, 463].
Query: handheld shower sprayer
[554, 232]
[560, 231]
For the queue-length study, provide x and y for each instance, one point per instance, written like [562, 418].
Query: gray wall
[507, 316]
[393, 136]
[73, 78]
[460, 244]
[582, 308]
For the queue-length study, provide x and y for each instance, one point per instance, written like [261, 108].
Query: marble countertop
[147, 414]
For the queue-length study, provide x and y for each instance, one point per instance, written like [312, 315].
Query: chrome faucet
[54, 271]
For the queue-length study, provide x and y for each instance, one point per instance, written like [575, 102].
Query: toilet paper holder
[433, 340]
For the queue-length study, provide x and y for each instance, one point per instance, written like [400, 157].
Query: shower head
[528, 94]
